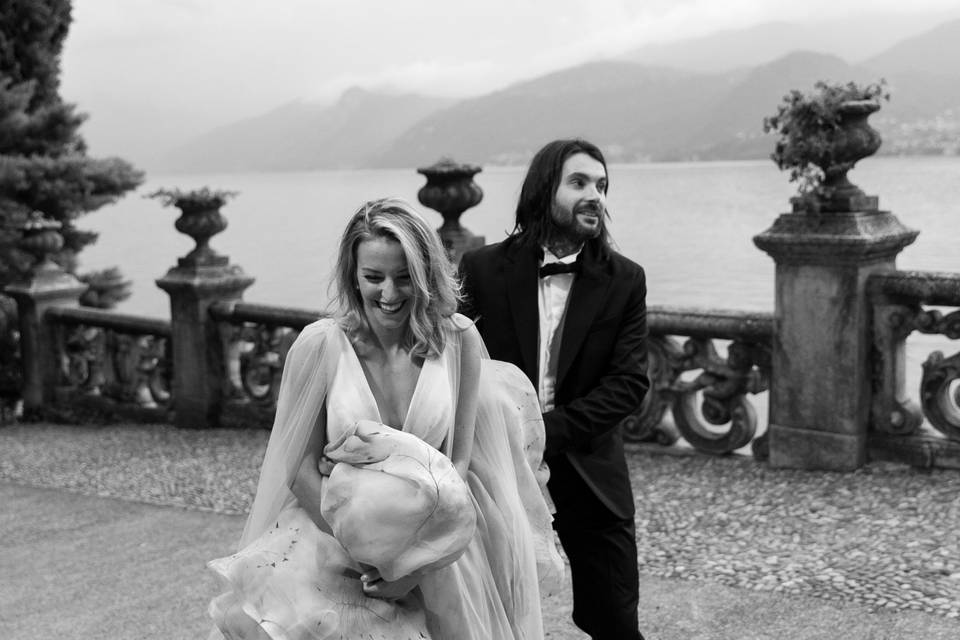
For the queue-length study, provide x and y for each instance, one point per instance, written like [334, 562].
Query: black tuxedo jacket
[602, 365]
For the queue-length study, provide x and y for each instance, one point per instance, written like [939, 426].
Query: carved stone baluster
[723, 385]
[892, 410]
[940, 393]
[940, 385]
[665, 358]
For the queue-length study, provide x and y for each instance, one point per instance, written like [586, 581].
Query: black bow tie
[559, 267]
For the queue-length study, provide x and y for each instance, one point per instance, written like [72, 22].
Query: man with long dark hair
[555, 299]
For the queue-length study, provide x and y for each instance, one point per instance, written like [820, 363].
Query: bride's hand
[376, 587]
[325, 465]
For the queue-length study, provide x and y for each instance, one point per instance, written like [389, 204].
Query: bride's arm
[307, 482]
[466, 414]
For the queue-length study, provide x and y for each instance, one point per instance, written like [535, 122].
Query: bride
[403, 492]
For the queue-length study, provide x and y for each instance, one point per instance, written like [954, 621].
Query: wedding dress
[485, 547]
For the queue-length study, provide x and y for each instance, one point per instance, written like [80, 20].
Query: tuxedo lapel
[521, 274]
[586, 298]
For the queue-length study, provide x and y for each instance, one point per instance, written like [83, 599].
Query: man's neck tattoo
[562, 247]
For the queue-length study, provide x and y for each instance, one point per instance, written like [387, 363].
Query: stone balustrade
[121, 359]
[830, 358]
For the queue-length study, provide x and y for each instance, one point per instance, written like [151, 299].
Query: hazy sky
[173, 68]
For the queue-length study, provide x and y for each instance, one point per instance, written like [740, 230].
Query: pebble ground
[884, 536]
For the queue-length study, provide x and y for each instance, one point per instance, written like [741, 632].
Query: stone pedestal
[820, 385]
[200, 279]
[47, 286]
[199, 362]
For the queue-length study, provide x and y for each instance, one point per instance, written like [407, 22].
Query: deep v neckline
[373, 397]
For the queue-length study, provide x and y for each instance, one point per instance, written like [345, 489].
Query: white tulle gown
[297, 582]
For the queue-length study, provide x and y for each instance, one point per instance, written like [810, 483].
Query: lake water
[689, 224]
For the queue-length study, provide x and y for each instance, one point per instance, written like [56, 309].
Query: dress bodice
[350, 398]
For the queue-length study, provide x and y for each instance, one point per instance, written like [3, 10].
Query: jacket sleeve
[619, 391]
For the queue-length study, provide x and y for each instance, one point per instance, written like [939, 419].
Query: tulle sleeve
[307, 372]
[507, 459]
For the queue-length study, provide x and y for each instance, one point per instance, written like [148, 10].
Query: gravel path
[883, 537]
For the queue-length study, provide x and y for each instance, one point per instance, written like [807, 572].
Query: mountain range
[653, 104]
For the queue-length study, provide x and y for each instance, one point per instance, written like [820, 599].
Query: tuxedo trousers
[602, 550]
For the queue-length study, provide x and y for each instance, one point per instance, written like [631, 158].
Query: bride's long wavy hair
[436, 288]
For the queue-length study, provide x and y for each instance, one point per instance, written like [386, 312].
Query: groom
[557, 301]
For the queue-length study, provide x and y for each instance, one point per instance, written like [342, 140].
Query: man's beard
[574, 231]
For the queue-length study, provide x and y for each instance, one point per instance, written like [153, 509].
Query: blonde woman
[402, 493]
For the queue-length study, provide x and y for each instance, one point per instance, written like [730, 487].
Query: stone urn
[852, 140]
[450, 190]
[200, 218]
[40, 238]
[201, 222]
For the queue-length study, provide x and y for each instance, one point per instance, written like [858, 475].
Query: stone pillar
[201, 278]
[820, 385]
[46, 286]
[450, 189]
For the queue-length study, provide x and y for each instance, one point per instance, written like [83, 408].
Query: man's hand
[376, 587]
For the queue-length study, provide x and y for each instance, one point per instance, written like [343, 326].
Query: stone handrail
[121, 323]
[725, 324]
[940, 288]
[274, 316]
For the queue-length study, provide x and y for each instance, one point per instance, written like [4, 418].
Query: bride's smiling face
[384, 281]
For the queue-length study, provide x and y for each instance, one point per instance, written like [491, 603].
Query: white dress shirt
[554, 291]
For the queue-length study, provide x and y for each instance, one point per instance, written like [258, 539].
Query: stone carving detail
[710, 410]
[933, 321]
[940, 393]
[940, 384]
[255, 356]
[126, 368]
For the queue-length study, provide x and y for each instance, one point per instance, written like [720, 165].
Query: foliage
[106, 288]
[806, 124]
[43, 161]
[201, 199]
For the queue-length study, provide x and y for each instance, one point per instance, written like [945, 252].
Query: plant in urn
[450, 190]
[822, 136]
[200, 218]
